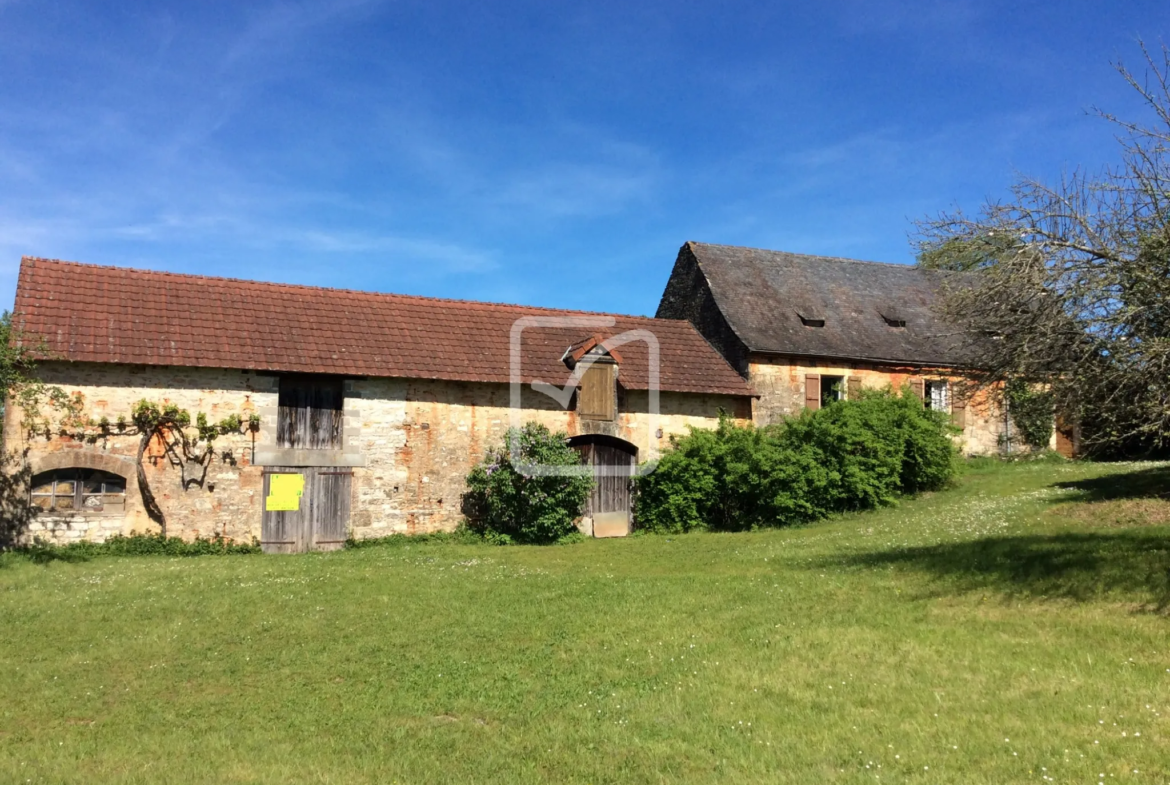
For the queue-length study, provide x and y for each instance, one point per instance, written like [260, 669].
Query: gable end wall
[688, 296]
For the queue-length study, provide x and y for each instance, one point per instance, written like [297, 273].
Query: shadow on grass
[1132, 566]
[1152, 483]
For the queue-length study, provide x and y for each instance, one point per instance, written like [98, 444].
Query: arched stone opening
[609, 511]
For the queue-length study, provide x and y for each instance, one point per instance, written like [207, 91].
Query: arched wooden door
[613, 460]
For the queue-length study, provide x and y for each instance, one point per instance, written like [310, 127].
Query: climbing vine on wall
[1031, 411]
[188, 443]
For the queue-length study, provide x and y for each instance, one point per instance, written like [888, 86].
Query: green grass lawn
[1014, 629]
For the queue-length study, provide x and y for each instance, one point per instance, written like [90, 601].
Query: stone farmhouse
[359, 414]
[806, 330]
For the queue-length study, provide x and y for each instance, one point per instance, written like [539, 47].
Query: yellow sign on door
[284, 492]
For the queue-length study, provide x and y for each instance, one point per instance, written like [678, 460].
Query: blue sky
[538, 152]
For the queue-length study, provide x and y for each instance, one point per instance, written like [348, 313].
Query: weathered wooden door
[613, 461]
[329, 509]
[305, 508]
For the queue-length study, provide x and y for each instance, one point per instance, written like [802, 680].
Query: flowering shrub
[851, 455]
[507, 505]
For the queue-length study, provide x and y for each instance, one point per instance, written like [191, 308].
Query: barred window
[79, 490]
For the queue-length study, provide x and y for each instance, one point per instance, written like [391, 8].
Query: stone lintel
[282, 456]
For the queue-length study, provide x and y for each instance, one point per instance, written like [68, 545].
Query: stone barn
[806, 330]
[335, 413]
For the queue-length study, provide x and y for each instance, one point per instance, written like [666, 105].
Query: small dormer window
[597, 387]
[895, 322]
[893, 317]
[810, 315]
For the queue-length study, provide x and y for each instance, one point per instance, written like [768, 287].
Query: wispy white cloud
[450, 257]
[277, 27]
[473, 151]
[578, 189]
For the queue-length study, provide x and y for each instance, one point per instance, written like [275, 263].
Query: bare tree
[1069, 284]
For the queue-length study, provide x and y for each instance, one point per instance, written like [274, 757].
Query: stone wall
[421, 437]
[780, 382]
[410, 443]
[226, 503]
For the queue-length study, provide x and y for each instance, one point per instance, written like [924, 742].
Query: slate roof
[763, 295]
[90, 313]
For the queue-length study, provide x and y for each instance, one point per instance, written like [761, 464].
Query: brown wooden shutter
[918, 386]
[595, 396]
[959, 412]
[812, 391]
[310, 412]
[853, 388]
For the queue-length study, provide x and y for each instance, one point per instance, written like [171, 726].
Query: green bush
[858, 446]
[851, 455]
[729, 478]
[510, 503]
[136, 545]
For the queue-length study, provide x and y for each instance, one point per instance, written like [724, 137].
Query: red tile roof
[89, 313]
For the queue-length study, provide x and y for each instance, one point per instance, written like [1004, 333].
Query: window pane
[938, 396]
[80, 490]
[831, 388]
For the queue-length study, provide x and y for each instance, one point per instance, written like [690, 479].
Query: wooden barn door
[284, 525]
[613, 462]
[329, 509]
[305, 508]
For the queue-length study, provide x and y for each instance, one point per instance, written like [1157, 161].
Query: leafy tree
[1066, 287]
[17, 383]
[17, 363]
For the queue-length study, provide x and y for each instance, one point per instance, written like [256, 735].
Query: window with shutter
[310, 413]
[936, 395]
[853, 388]
[832, 389]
